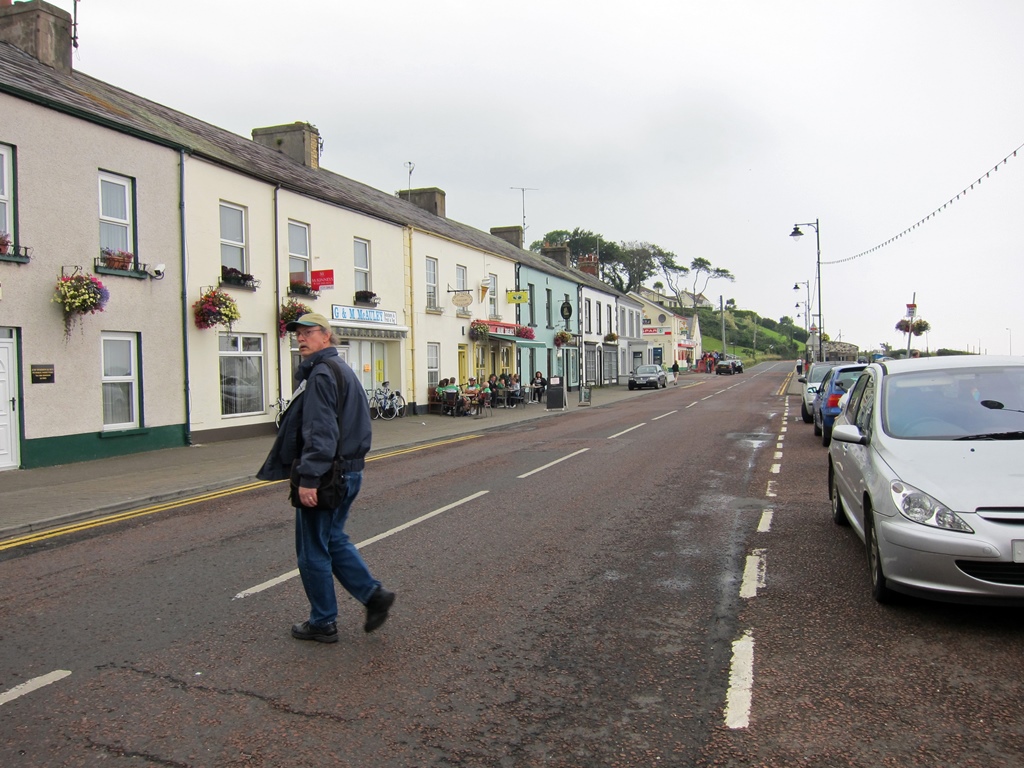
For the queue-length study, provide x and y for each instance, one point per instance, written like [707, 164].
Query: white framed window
[586, 315]
[298, 252]
[433, 365]
[120, 380]
[241, 374]
[533, 306]
[431, 278]
[492, 296]
[116, 201]
[361, 261]
[548, 307]
[597, 315]
[7, 189]
[461, 281]
[232, 237]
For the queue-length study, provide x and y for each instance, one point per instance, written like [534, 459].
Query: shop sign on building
[364, 314]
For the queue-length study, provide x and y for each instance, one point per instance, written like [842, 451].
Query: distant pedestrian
[675, 373]
[326, 432]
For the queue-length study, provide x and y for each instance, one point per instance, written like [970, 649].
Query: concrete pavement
[38, 499]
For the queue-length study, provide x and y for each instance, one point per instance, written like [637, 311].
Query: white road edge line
[34, 684]
[373, 539]
[612, 437]
[753, 574]
[664, 415]
[552, 463]
[741, 679]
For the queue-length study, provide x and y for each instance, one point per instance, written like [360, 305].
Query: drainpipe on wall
[277, 288]
[410, 357]
[184, 296]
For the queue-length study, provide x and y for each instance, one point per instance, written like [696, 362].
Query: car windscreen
[961, 403]
[648, 369]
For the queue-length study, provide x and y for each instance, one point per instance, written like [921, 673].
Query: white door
[10, 457]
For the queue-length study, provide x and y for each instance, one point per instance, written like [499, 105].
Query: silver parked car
[647, 376]
[811, 381]
[926, 465]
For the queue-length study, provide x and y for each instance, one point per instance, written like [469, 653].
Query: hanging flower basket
[525, 332]
[562, 338]
[79, 295]
[215, 307]
[291, 311]
[479, 330]
[611, 338]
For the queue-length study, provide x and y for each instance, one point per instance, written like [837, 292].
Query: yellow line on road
[785, 384]
[130, 514]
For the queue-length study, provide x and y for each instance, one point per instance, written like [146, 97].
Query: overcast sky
[709, 128]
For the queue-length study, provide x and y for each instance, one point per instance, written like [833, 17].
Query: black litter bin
[555, 394]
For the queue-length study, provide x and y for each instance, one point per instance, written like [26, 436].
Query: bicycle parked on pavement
[385, 403]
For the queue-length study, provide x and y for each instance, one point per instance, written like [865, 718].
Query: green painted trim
[69, 449]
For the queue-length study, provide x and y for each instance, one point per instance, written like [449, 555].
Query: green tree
[701, 268]
[634, 263]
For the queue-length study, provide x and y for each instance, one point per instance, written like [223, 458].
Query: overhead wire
[961, 194]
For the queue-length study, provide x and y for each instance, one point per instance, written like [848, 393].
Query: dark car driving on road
[729, 366]
[648, 376]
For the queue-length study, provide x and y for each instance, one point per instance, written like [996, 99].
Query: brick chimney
[588, 263]
[430, 199]
[300, 141]
[512, 235]
[559, 253]
[41, 30]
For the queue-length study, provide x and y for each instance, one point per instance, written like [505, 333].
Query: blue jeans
[323, 549]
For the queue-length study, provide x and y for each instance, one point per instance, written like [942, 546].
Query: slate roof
[78, 94]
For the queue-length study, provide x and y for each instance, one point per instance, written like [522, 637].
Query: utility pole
[721, 309]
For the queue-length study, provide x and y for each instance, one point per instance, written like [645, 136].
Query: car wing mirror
[848, 433]
[802, 379]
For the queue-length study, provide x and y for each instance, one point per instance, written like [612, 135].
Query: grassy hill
[773, 340]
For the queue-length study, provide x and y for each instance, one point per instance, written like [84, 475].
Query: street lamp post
[796, 234]
[1009, 331]
[807, 305]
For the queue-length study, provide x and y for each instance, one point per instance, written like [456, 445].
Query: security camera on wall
[158, 271]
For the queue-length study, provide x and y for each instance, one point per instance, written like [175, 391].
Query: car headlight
[921, 508]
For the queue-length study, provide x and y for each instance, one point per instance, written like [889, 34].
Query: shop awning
[530, 343]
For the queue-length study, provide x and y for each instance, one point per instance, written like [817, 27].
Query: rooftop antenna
[411, 166]
[524, 190]
[74, 26]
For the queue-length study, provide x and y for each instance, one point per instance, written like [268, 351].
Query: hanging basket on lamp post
[563, 338]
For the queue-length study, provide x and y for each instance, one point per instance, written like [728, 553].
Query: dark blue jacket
[309, 428]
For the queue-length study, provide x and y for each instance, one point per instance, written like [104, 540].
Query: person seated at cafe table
[515, 390]
[499, 391]
[538, 384]
[472, 392]
[460, 401]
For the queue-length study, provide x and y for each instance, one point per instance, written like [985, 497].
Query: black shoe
[322, 634]
[377, 608]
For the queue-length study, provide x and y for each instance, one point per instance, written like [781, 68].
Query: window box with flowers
[367, 297]
[79, 295]
[232, 276]
[479, 330]
[113, 261]
[563, 338]
[611, 338]
[525, 332]
[290, 311]
[300, 288]
[11, 252]
[215, 307]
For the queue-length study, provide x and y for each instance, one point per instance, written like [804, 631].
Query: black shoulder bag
[331, 488]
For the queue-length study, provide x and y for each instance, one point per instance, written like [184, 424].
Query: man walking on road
[328, 418]
[675, 372]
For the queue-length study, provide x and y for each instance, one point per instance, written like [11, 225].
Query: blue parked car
[837, 382]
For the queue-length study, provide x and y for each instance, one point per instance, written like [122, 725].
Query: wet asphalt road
[578, 613]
